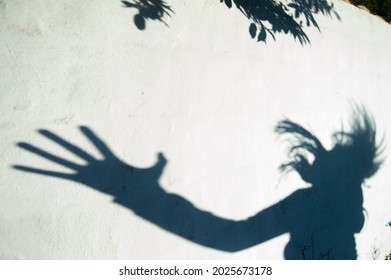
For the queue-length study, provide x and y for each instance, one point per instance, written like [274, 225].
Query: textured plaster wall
[198, 89]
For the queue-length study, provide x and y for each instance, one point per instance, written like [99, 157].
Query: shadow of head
[354, 157]
[148, 9]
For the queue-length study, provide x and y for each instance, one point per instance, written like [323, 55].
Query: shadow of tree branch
[267, 17]
[271, 17]
[148, 9]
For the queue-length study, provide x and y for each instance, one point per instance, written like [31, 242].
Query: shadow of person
[321, 219]
[324, 218]
[148, 9]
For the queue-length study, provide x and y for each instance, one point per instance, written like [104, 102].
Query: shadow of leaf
[271, 17]
[148, 10]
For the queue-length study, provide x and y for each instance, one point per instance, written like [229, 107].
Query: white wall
[201, 91]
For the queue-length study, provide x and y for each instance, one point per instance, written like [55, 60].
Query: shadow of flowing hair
[354, 157]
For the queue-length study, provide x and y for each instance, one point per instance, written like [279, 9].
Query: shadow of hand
[109, 175]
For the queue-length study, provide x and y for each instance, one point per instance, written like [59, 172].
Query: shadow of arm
[178, 216]
[138, 189]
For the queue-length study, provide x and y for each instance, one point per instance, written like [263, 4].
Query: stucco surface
[196, 88]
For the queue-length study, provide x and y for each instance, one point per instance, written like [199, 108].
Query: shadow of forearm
[177, 215]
